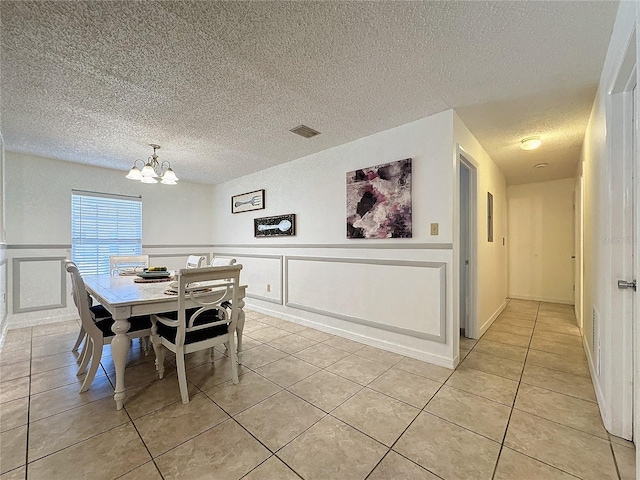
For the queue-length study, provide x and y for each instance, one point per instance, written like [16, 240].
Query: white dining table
[124, 298]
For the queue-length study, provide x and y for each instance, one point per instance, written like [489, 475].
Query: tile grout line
[513, 405]
[567, 426]
[26, 446]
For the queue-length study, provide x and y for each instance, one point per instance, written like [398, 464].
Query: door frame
[463, 158]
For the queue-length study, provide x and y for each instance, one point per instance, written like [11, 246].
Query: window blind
[103, 225]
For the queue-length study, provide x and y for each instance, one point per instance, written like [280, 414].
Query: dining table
[125, 297]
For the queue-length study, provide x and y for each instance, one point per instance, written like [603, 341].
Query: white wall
[372, 283]
[491, 256]
[604, 241]
[394, 293]
[541, 242]
[177, 221]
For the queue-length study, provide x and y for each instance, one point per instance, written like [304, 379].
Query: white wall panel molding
[259, 271]
[46, 281]
[355, 245]
[406, 297]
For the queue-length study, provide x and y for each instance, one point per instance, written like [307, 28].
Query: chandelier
[153, 170]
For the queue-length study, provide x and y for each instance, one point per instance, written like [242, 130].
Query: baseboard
[373, 342]
[485, 326]
[606, 419]
[542, 299]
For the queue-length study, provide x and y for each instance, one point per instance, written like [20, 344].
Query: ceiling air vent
[305, 131]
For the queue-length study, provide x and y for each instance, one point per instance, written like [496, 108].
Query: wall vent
[305, 131]
[595, 340]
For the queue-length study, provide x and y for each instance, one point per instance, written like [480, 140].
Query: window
[102, 225]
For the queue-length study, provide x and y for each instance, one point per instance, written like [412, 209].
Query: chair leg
[233, 357]
[85, 356]
[182, 376]
[96, 356]
[81, 335]
[158, 348]
[145, 343]
[212, 353]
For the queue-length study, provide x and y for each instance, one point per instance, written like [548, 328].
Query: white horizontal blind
[103, 225]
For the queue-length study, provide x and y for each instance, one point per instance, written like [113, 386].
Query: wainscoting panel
[39, 284]
[261, 273]
[407, 297]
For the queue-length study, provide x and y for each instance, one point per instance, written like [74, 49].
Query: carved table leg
[120, 351]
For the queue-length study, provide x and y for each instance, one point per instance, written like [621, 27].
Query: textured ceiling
[219, 84]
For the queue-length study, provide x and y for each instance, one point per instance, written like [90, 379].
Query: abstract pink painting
[379, 201]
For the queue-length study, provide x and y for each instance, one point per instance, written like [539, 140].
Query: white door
[465, 207]
[628, 284]
[621, 332]
[468, 239]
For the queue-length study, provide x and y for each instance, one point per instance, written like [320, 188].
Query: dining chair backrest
[82, 301]
[68, 262]
[222, 261]
[190, 282]
[121, 262]
[195, 261]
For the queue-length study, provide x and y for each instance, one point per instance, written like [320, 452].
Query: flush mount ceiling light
[530, 143]
[153, 170]
[540, 165]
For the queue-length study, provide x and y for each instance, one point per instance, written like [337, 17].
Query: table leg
[240, 327]
[120, 351]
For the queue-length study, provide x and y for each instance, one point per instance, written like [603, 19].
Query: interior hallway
[312, 405]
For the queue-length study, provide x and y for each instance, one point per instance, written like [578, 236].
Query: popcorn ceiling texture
[219, 84]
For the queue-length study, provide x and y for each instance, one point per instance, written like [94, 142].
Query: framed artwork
[277, 226]
[489, 217]
[247, 202]
[379, 201]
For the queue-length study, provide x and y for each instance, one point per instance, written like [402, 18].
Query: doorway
[467, 215]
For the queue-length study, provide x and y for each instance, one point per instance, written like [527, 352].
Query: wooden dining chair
[98, 331]
[97, 312]
[118, 263]
[209, 323]
[222, 261]
[195, 261]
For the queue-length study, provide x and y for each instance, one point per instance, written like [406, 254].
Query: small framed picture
[277, 226]
[247, 202]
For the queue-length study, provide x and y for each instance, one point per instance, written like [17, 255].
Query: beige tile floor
[311, 405]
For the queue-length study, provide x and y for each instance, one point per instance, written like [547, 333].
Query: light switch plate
[434, 229]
